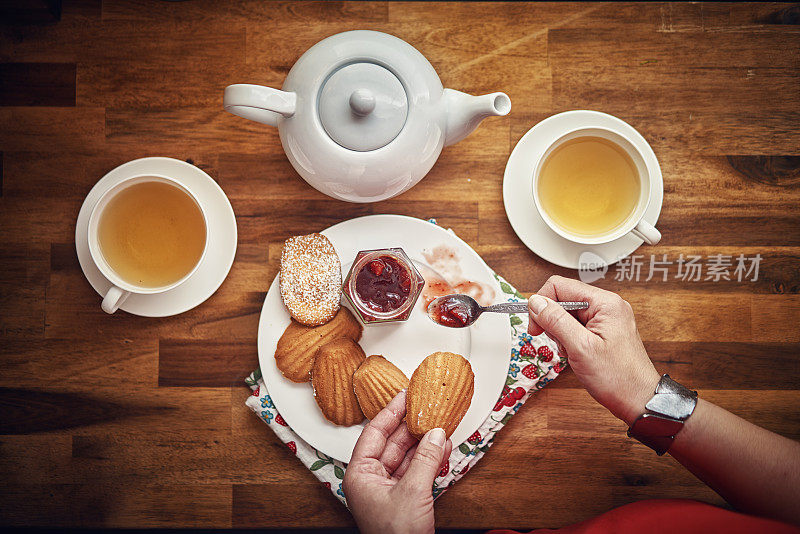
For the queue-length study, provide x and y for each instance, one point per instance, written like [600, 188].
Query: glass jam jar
[383, 285]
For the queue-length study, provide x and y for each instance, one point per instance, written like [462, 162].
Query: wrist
[637, 396]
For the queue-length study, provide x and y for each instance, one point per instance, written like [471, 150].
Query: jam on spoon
[459, 311]
[451, 311]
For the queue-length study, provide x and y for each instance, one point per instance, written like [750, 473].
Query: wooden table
[122, 421]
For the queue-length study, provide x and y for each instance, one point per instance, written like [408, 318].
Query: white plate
[487, 344]
[518, 197]
[221, 240]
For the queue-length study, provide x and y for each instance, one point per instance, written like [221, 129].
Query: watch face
[651, 425]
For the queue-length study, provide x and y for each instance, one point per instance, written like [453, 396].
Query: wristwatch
[671, 405]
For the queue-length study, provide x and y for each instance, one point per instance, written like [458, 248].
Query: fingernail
[437, 437]
[537, 303]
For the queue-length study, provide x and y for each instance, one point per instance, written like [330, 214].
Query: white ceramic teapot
[363, 116]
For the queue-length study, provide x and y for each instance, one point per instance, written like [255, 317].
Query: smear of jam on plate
[383, 284]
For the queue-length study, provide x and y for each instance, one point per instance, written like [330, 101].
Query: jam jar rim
[355, 299]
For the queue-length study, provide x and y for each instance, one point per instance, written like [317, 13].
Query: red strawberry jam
[383, 284]
[450, 311]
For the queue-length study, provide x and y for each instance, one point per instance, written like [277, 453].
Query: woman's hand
[602, 345]
[389, 481]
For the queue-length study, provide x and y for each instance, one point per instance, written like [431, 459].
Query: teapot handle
[259, 103]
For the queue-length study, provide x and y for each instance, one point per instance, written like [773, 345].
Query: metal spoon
[459, 311]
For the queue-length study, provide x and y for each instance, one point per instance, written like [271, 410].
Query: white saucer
[221, 245]
[518, 198]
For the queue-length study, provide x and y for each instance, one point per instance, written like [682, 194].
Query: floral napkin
[534, 362]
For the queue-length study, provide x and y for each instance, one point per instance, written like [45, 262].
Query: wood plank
[201, 459]
[24, 264]
[65, 42]
[73, 174]
[36, 363]
[22, 290]
[31, 12]
[722, 366]
[165, 131]
[89, 410]
[442, 48]
[162, 83]
[533, 16]
[782, 14]
[707, 127]
[772, 170]
[23, 314]
[205, 362]
[116, 505]
[726, 16]
[211, 58]
[38, 220]
[253, 502]
[37, 84]
[775, 318]
[211, 12]
[51, 129]
[662, 84]
[35, 459]
[663, 316]
[772, 47]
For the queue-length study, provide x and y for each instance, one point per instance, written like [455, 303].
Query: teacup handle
[647, 232]
[114, 298]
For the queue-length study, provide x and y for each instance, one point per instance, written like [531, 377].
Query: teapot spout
[465, 112]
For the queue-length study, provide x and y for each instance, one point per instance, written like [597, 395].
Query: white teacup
[635, 223]
[122, 289]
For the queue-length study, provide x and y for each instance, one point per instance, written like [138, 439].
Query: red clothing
[671, 516]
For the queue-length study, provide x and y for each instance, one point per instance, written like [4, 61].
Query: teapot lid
[362, 106]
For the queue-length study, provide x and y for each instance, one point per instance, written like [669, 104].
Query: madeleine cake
[296, 348]
[439, 393]
[310, 279]
[376, 383]
[332, 379]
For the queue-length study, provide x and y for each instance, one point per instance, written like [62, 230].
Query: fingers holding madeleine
[439, 393]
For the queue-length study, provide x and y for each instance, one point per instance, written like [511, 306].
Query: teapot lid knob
[362, 102]
[362, 106]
